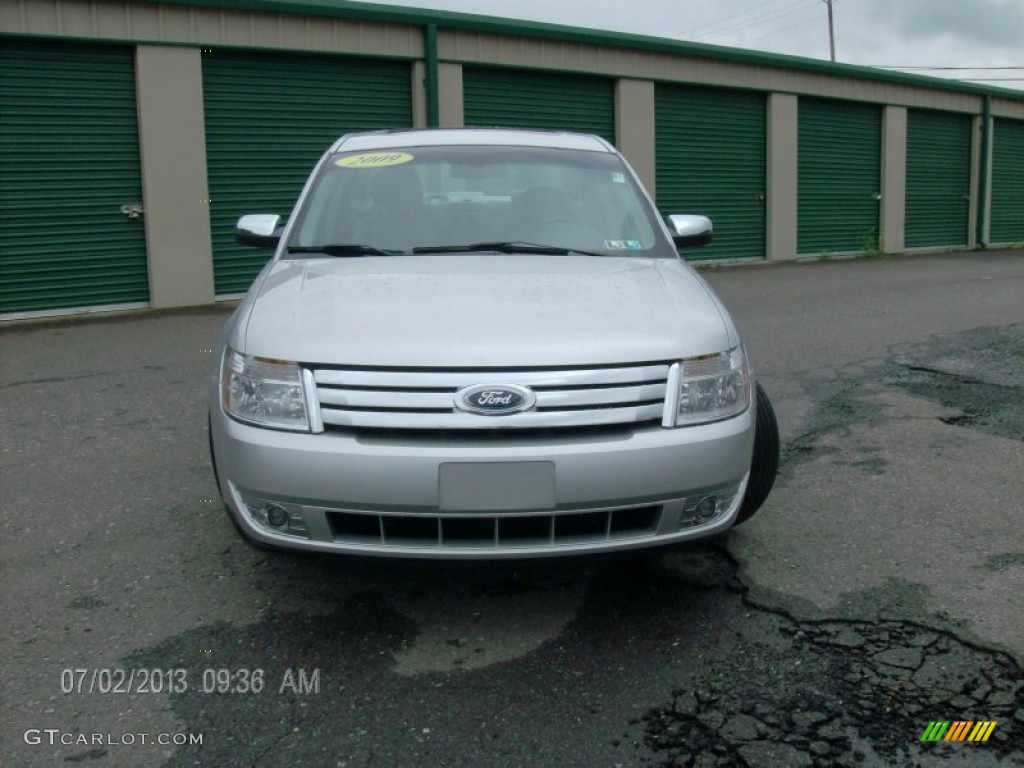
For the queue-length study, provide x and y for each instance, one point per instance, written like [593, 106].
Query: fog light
[711, 508]
[276, 515]
[706, 508]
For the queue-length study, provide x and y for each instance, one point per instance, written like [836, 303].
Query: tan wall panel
[149, 22]
[145, 21]
[482, 48]
[988, 159]
[782, 177]
[419, 95]
[115, 25]
[894, 179]
[634, 127]
[974, 209]
[450, 94]
[172, 142]
[39, 15]
[174, 25]
[1011, 109]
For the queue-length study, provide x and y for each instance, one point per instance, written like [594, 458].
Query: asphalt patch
[668, 662]
[979, 373]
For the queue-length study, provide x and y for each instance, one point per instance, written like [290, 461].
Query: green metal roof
[451, 20]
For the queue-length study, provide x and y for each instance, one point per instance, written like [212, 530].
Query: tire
[764, 464]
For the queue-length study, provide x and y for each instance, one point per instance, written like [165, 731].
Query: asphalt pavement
[878, 591]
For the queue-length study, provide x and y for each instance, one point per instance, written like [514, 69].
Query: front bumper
[482, 498]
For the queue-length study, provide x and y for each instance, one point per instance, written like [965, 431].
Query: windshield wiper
[504, 247]
[341, 249]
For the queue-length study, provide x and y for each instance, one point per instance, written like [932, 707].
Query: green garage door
[710, 149]
[938, 178]
[1007, 182]
[69, 159]
[531, 99]
[839, 175]
[269, 117]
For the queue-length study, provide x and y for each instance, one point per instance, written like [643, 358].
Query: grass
[872, 247]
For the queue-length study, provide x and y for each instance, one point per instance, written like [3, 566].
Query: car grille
[494, 531]
[425, 399]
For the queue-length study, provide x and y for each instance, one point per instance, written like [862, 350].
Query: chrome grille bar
[456, 379]
[394, 399]
[364, 398]
[530, 420]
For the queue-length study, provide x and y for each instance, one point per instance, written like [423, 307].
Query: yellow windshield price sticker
[374, 160]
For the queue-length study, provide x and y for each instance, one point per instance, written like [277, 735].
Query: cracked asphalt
[877, 591]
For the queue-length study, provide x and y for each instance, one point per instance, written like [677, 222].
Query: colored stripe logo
[958, 730]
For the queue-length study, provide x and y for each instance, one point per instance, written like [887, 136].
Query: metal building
[132, 135]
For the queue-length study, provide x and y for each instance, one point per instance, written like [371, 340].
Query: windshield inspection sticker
[374, 160]
[623, 245]
[619, 178]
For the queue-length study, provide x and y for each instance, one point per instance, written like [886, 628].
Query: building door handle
[132, 210]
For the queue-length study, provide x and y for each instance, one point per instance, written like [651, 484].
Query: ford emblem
[495, 399]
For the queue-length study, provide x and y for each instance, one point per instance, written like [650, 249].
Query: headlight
[712, 387]
[263, 391]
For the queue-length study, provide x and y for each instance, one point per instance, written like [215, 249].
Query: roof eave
[488, 24]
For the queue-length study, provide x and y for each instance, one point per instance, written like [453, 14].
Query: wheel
[216, 479]
[765, 462]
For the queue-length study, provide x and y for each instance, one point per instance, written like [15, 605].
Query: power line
[744, 22]
[730, 20]
[746, 28]
[969, 69]
[781, 30]
[773, 15]
[741, 19]
[1001, 17]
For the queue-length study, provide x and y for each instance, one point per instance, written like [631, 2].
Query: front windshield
[442, 196]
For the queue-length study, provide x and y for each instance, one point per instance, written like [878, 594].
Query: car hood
[483, 310]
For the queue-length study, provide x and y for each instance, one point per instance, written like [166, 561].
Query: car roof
[434, 137]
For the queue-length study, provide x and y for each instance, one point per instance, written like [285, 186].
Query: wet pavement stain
[739, 684]
[668, 660]
[979, 374]
[1005, 561]
[990, 408]
[250, 689]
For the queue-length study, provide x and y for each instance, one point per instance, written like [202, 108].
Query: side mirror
[260, 230]
[689, 231]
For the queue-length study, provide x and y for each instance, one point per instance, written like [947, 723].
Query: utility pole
[831, 31]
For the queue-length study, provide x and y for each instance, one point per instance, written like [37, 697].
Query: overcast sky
[904, 33]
